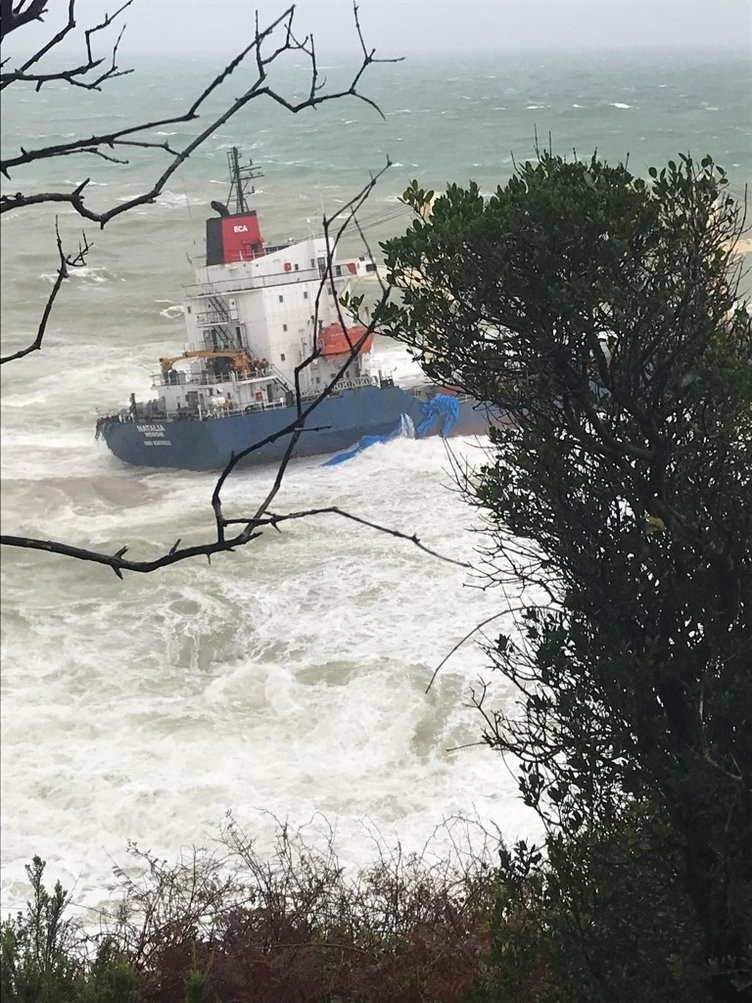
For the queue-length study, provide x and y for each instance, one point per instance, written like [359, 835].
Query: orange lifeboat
[337, 340]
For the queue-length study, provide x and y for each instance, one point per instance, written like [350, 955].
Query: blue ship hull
[337, 424]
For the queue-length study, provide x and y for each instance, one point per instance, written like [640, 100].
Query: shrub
[46, 957]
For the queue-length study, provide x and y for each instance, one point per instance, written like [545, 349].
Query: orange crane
[239, 359]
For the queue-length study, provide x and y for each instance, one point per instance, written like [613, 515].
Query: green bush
[45, 957]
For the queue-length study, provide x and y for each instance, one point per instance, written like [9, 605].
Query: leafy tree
[598, 313]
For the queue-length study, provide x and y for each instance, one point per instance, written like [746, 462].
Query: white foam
[289, 676]
[86, 274]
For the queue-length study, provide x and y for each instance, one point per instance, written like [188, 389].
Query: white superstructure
[250, 323]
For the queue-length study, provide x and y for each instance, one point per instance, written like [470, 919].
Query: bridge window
[282, 356]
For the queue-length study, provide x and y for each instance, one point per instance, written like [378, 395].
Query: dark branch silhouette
[267, 45]
[251, 531]
[16, 17]
[264, 56]
[263, 517]
[66, 261]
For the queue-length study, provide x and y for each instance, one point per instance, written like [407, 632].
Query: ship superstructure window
[282, 356]
[281, 299]
[305, 294]
[284, 327]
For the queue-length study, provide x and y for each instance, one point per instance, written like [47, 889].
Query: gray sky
[409, 26]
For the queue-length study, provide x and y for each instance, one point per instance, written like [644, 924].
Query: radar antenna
[242, 177]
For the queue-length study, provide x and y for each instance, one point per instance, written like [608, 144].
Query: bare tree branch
[259, 88]
[462, 640]
[263, 517]
[76, 76]
[118, 562]
[304, 411]
[275, 519]
[66, 262]
[265, 47]
[12, 17]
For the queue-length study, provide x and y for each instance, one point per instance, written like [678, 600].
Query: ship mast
[242, 177]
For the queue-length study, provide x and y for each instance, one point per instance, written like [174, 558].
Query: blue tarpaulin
[443, 408]
[405, 428]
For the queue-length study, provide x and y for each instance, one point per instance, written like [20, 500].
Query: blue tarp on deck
[405, 428]
[441, 408]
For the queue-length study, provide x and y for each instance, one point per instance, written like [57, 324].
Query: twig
[66, 262]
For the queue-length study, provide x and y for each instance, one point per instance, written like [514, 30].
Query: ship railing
[242, 283]
[352, 383]
[209, 379]
[254, 406]
[229, 337]
[192, 413]
[167, 379]
[160, 379]
[212, 318]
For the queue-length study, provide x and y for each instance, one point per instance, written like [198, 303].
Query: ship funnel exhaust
[233, 238]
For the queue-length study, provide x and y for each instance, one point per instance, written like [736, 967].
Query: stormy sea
[289, 677]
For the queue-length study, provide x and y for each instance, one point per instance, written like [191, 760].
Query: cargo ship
[254, 315]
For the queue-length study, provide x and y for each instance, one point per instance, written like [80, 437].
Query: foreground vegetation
[231, 927]
[473, 924]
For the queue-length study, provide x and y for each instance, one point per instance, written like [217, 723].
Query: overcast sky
[409, 26]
